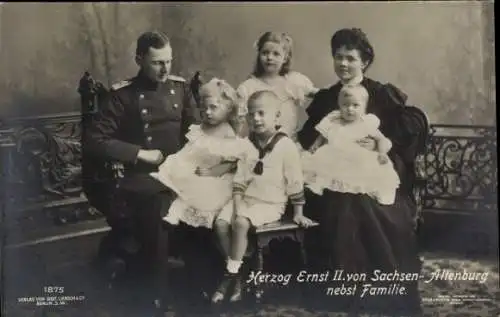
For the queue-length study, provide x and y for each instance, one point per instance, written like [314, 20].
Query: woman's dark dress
[356, 233]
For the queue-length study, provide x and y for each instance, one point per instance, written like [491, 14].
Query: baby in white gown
[200, 172]
[337, 162]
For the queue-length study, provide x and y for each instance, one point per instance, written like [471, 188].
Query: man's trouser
[138, 237]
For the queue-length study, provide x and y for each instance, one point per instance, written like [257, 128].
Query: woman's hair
[154, 39]
[223, 93]
[353, 39]
[280, 38]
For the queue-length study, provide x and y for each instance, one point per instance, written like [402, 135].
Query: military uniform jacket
[140, 114]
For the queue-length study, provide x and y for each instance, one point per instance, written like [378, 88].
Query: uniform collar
[145, 83]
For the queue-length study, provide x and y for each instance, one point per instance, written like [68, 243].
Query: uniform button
[149, 138]
[146, 126]
[176, 105]
[141, 96]
[172, 91]
[144, 111]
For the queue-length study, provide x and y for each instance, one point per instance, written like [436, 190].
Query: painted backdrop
[439, 53]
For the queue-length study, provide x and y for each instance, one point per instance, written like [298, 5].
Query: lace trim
[341, 186]
[191, 216]
[196, 218]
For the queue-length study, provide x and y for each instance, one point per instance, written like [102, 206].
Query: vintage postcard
[248, 159]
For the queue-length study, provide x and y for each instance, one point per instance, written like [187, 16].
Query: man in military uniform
[142, 122]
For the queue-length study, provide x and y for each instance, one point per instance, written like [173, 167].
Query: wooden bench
[279, 230]
[260, 239]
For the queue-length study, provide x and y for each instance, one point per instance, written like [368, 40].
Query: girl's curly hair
[224, 93]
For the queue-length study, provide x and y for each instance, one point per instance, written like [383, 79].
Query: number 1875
[53, 289]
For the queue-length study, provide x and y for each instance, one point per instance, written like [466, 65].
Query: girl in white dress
[200, 172]
[338, 163]
[272, 72]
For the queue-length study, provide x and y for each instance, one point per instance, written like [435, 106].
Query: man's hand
[368, 143]
[150, 156]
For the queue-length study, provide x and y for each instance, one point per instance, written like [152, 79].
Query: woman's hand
[368, 143]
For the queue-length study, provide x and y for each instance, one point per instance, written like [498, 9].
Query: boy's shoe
[221, 291]
[237, 290]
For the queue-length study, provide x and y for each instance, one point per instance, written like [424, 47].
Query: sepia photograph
[185, 159]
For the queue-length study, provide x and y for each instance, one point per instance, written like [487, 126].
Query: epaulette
[176, 78]
[121, 84]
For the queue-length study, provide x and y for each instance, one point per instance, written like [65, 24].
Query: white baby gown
[342, 165]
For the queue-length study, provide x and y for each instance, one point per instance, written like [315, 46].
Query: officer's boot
[117, 253]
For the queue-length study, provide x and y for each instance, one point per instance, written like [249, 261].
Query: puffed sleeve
[404, 125]
[243, 92]
[372, 122]
[413, 126]
[292, 170]
[325, 124]
[303, 87]
[194, 132]
[101, 138]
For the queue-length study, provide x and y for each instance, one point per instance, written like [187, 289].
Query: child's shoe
[221, 291]
[237, 290]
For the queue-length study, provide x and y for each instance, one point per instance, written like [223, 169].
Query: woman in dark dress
[356, 234]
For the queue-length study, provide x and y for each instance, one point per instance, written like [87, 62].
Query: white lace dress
[342, 165]
[200, 198]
